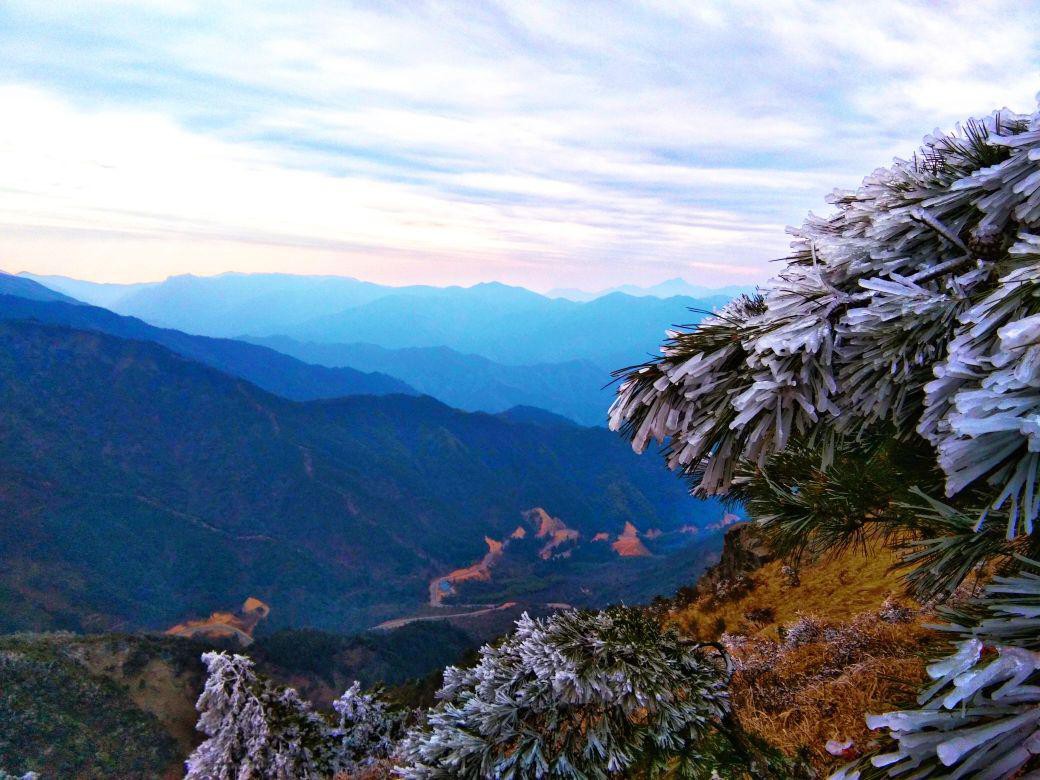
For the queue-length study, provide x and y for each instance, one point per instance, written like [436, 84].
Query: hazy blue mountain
[532, 415]
[665, 289]
[230, 303]
[267, 368]
[505, 324]
[29, 289]
[95, 293]
[511, 325]
[139, 488]
[575, 389]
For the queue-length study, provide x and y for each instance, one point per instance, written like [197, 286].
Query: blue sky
[545, 144]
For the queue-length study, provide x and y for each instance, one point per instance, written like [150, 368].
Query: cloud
[540, 143]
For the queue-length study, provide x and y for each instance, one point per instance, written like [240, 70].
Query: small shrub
[577, 694]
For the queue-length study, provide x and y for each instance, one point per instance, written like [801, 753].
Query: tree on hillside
[367, 731]
[575, 695]
[899, 345]
[256, 729]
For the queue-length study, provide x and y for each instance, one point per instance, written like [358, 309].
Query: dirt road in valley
[398, 622]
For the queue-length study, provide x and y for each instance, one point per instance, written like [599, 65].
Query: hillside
[266, 368]
[122, 706]
[576, 389]
[817, 645]
[24, 287]
[144, 489]
[511, 325]
[98, 707]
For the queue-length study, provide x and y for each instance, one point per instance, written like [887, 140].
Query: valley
[152, 478]
[214, 490]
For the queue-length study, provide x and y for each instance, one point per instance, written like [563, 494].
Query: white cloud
[531, 142]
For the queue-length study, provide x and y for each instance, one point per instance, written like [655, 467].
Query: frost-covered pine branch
[916, 304]
[981, 717]
[575, 695]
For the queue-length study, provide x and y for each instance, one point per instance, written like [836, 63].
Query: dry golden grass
[846, 662]
[834, 588]
[796, 694]
[797, 698]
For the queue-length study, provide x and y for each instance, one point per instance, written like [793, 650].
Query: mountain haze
[271, 370]
[577, 389]
[665, 289]
[505, 324]
[511, 325]
[29, 289]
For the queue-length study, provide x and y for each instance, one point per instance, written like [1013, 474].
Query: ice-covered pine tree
[575, 695]
[256, 730]
[916, 304]
[913, 310]
[367, 730]
[980, 719]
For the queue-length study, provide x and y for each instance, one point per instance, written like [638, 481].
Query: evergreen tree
[367, 731]
[575, 695]
[914, 305]
[908, 321]
[256, 730]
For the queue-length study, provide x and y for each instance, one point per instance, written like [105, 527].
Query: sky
[553, 144]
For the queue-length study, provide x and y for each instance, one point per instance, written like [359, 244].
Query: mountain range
[142, 487]
[488, 347]
[504, 324]
[577, 389]
[666, 289]
[265, 367]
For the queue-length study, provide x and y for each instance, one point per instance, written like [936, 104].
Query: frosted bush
[366, 731]
[574, 695]
[256, 730]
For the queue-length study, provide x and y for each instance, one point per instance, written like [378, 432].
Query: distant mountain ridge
[666, 289]
[24, 287]
[577, 389]
[140, 488]
[267, 368]
[505, 324]
[512, 326]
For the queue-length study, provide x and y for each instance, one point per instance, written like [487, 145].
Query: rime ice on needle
[916, 302]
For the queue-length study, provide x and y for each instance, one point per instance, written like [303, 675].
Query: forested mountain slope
[576, 389]
[267, 368]
[141, 487]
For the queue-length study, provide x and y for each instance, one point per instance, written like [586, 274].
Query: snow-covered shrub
[574, 695]
[981, 716]
[894, 611]
[366, 731]
[806, 629]
[256, 730]
[916, 305]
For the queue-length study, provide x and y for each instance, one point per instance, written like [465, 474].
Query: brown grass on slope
[816, 648]
[820, 681]
[834, 588]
